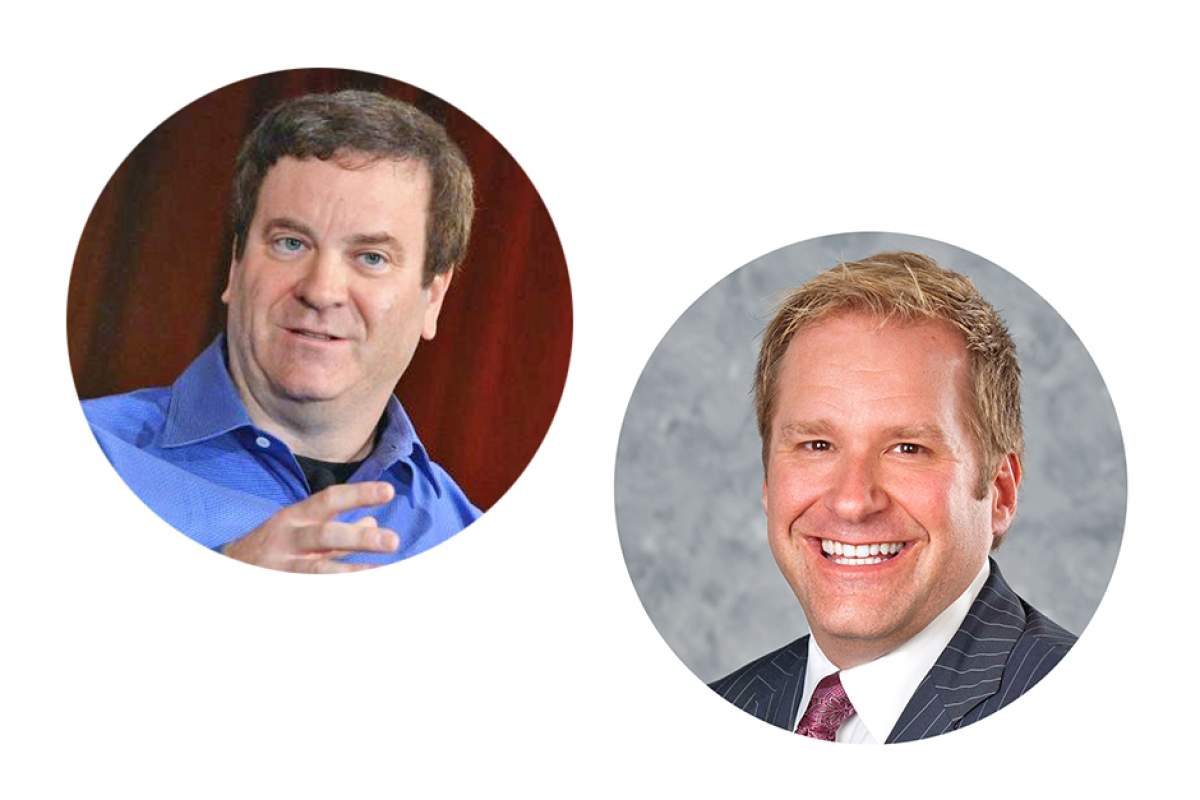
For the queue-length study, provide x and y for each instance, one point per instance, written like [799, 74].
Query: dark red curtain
[153, 258]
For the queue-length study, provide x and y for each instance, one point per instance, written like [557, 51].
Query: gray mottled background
[689, 478]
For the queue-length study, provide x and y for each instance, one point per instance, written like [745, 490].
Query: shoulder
[1039, 648]
[787, 661]
[1036, 639]
[435, 489]
[1009, 647]
[769, 686]
[132, 417]
[429, 505]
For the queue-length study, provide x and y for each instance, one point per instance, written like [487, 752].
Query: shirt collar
[204, 401]
[880, 689]
[205, 404]
[398, 441]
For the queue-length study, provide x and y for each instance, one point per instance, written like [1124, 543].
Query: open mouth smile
[860, 555]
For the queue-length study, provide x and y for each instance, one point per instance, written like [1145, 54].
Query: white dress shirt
[880, 689]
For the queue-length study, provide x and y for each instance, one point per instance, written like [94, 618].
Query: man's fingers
[325, 566]
[346, 536]
[334, 500]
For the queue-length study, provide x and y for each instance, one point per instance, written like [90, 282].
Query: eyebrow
[929, 433]
[807, 427]
[287, 223]
[359, 239]
[824, 427]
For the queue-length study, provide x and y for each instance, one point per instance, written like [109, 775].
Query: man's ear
[1004, 487]
[766, 465]
[229, 278]
[436, 294]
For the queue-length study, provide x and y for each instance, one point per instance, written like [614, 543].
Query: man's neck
[318, 429]
[339, 445]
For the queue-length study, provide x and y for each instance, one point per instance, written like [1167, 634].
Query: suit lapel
[789, 666]
[970, 669]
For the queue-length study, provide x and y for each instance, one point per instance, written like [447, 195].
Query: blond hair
[909, 287]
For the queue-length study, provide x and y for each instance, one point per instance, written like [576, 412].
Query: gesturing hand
[305, 538]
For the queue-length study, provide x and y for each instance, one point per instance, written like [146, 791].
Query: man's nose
[855, 493]
[323, 283]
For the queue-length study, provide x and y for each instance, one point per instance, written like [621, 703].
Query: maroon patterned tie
[827, 710]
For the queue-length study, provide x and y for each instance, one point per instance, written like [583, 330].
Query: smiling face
[326, 304]
[870, 448]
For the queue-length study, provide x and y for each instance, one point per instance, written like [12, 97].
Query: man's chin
[309, 396]
[866, 627]
[304, 391]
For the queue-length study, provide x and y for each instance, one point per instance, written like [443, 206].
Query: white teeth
[861, 554]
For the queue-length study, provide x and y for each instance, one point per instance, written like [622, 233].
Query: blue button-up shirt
[191, 453]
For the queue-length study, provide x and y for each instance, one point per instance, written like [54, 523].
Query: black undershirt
[322, 474]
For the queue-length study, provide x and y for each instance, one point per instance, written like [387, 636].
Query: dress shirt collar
[204, 401]
[206, 404]
[880, 689]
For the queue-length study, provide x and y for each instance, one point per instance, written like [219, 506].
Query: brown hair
[353, 122]
[909, 287]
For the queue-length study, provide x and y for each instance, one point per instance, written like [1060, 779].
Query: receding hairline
[906, 287]
[818, 425]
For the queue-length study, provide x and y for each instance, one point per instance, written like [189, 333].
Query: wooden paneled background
[153, 258]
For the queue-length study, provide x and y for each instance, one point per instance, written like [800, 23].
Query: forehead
[353, 188]
[857, 369]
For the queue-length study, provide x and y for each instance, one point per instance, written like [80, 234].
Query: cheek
[385, 309]
[950, 509]
[973, 522]
[780, 540]
[926, 499]
[790, 492]
[256, 294]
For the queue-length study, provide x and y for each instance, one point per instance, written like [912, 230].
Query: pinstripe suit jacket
[1003, 647]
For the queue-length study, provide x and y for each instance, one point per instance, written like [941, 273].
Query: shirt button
[263, 442]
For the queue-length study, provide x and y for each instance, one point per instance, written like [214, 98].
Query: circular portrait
[870, 488]
[319, 320]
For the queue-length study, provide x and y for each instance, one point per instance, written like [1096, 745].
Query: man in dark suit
[888, 401]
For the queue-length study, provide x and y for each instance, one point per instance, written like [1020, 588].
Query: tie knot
[828, 708]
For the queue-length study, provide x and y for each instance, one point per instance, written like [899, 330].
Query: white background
[671, 146]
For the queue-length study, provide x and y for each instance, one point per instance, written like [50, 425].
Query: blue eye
[289, 244]
[372, 259]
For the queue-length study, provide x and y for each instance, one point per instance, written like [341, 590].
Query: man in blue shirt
[282, 444]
